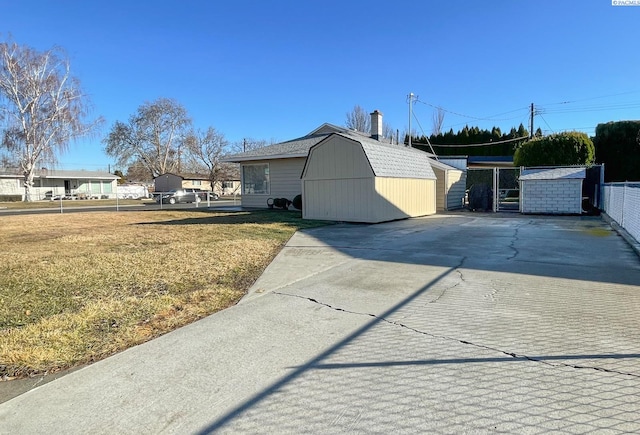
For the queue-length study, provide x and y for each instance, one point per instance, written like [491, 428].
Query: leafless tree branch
[42, 107]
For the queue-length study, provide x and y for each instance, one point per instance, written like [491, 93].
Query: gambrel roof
[390, 161]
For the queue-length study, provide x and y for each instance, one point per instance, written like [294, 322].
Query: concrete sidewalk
[446, 324]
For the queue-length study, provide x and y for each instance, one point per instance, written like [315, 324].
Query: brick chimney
[376, 125]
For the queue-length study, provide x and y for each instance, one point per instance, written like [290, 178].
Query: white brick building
[551, 190]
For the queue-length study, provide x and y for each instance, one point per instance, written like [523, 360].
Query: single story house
[556, 190]
[349, 177]
[275, 171]
[170, 181]
[54, 183]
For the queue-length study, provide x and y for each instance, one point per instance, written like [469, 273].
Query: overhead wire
[480, 144]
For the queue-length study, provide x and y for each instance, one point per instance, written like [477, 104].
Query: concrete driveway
[446, 324]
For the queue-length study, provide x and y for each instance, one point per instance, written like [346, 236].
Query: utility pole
[244, 145]
[531, 131]
[410, 101]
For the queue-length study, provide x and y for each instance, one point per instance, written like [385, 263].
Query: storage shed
[551, 190]
[450, 187]
[348, 177]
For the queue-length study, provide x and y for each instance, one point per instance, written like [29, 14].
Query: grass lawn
[75, 288]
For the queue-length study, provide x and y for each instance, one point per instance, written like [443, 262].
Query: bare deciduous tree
[42, 107]
[205, 149]
[249, 144]
[438, 121]
[358, 119]
[153, 137]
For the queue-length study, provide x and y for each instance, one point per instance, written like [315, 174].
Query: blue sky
[277, 69]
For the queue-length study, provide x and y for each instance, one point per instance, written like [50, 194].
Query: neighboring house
[169, 181]
[555, 190]
[348, 177]
[52, 183]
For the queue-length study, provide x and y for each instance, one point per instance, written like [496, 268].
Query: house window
[227, 184]
[255, 179]
[107, 187]
[197, 182]
[95, 187]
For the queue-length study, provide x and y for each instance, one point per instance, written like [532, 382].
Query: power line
[490, 118]
[591, 98]
[545, 121]
[479, 144]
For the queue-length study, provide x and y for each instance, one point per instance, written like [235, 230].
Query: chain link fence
[622, 204]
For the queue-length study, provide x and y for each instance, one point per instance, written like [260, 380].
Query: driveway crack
[512, 245]
[464, 342]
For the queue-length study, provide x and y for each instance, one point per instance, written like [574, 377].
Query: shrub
[569, 148]
[617, 146]
[10, 198]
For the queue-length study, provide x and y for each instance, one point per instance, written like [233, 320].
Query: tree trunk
[28, 183]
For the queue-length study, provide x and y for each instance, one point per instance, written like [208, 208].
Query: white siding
[456, 187]
[450, 188]
[11, 186]
[562, 196]
[284, 181]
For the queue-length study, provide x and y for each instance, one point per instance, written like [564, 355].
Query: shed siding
[441, 187]
[563, 196]
[338, 158]
[284, 181]
[456, 187]
[351, 200]
[400, 198]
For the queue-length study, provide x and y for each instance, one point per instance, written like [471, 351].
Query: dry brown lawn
[75, 288]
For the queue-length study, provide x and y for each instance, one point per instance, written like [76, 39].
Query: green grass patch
[75, 288]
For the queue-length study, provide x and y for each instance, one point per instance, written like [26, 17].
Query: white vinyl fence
[622, 203]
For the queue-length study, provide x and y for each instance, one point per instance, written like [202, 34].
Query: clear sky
[277, 69]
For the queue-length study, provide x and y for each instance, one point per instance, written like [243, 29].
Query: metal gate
[493, 189]
[506, 189]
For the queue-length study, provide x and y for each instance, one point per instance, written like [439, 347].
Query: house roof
[553, 173]
[60, 174]
[393, 161]
[285, 150]
[292, 148]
